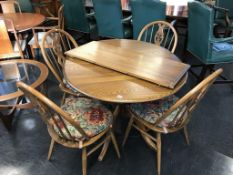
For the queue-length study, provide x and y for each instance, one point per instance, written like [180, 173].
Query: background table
[175, 8]
[30, 72]
[108, 85]
[24, 21]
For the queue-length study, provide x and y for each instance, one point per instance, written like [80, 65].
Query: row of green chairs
[109, 17]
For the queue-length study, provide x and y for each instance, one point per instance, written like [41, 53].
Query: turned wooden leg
[158, 153]
[51, 149]
[186, 135]
[105, 148]
[84, 161]
[115, 144]
[127, 131]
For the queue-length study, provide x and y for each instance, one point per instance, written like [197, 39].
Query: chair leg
[84, 161]
[115, 144]
[63, 98]
[158, 153]
[186, 135]
[128, 130]
[105, 147]
[33, 52]
[51, 149]
[203, 73]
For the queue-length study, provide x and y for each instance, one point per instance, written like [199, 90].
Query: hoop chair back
[160, 33]
[51, 114]
[10, 6]
[59, 42]
[185, 105]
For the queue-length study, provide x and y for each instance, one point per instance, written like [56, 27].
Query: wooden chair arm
[225, 12]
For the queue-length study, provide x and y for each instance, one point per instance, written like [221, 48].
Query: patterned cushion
[152, 111]
[90, 114]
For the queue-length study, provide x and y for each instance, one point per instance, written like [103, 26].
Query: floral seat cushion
[152, 111]
[90, 114]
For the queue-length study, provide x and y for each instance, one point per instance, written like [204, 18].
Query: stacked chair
[50, 23]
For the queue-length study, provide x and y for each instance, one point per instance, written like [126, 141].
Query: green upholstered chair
[109, 18]
[146, 11]
[76, 17]
[201, 41]
[26, 5]
[224, 16]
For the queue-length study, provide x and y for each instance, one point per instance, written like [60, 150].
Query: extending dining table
[111, 85]
[30, 72]
[24, 21]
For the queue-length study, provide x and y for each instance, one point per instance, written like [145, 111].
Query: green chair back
[75, 15]
[200, 29]
[146, 11]
[108, 14]
[26, 6]
[228, 4]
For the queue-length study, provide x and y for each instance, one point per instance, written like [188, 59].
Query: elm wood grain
[108, 85]
[147, 65]
[24, 21]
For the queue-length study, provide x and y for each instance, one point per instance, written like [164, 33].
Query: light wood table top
[112, 86]
[145, 65]
[24, 21]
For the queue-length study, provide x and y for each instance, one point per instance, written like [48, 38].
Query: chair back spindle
[59, 42]
[187, 104]
[160, 33]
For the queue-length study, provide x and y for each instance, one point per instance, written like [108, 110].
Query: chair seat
[221, 53]
[91, 115]
[40, 36]
[152, 111]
